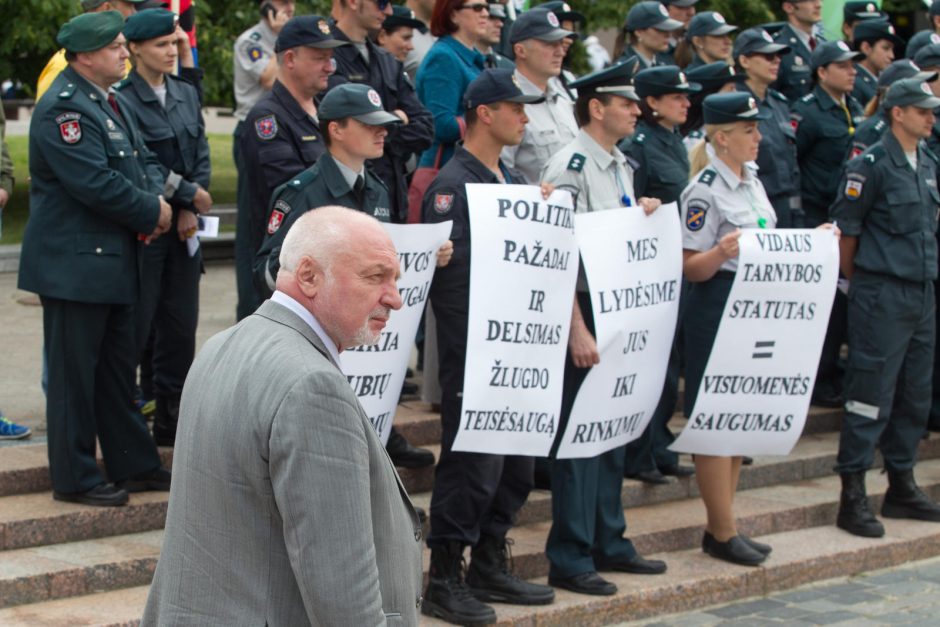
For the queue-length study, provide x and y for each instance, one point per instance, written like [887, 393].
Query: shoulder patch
[853, 189]
[707, 177]
[695, 215]
[576, 163]
[266, 127]
[255, 53]
[275, 221]
[443, 203]
[282, 205]
[70, 127]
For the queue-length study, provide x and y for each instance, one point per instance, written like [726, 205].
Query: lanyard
[848, 118]
[761, 220]
[624, 197]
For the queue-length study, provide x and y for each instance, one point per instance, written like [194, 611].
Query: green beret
[90, 31]
[150, 23]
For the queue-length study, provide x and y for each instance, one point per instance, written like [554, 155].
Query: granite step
[30, 575]
[693, 581]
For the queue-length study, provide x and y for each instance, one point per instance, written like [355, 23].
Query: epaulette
[67, 91]
[302, 179]
[576, 163]
[639, 138]
[874, 153]
[123, 84]
[880, 124]
[808, 97]
[633, 163]
[255, 36]
[773, 93]
[707, 177]
[930, 153]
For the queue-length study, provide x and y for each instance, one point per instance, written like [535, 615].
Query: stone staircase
[67, 564]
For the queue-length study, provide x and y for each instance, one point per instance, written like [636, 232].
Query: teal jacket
[95, 186]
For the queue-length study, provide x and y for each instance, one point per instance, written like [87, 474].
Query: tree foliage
[27, 38]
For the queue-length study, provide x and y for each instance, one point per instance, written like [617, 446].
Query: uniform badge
[797, 60]
[443, 203]
[374, 98]
[266, 127]
[110, 124]
[70, 131]
[707, 177]
[275, 221]
[282, 206]
[324, 27]
[853, 189]
[255, 53]
[695, 218]
[576, 163]
[553, 19]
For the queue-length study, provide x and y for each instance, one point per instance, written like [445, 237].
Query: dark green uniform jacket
[866, 85]
[320, 185]
[94, 188]
[661, 168]
[795, 77]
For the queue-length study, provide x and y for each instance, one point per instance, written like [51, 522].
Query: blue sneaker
[12, 431]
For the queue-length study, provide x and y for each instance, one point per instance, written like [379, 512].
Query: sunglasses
[478, 7]
[382, 4]
[769, 57]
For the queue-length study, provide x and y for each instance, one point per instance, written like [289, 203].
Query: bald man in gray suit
[285, 509]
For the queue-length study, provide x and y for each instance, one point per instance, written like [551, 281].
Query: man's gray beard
[364, 336]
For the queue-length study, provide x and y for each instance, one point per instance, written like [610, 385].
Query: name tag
[116, 136]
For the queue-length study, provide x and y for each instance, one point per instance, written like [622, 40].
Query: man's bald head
[341, 265]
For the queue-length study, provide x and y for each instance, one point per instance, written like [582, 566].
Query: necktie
[358, 186]
[114, 105]
[812, 43]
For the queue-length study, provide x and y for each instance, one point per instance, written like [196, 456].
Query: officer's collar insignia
[576, 163]
[707, 177]
[552, 19]
[266, 127]
[324, 27]
[443, 203]
[695, 218]
[853, 189]
[275, 221]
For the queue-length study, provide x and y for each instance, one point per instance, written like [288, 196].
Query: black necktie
[358, 186]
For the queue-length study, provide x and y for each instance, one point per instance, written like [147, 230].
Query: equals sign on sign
[763, 350]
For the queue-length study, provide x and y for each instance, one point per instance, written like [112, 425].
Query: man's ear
[309, 276]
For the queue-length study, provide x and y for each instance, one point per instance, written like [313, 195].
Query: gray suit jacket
[285, 508]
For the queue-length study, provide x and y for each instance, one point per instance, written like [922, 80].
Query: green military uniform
[866, 85]
[94, 188]
[794, 79]
[889, 200]
[661, 162]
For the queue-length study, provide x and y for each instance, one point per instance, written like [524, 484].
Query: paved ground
[904, 595]
[21, 396]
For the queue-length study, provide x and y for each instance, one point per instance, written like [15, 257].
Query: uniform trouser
[92, 358]
[787, 216]
[892, 331]
[169, 311]
[829, 376]
[474, 493]
[587, 511]
[248, 299]
[933, 422]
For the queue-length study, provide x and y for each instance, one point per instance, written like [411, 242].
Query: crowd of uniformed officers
[391, 110]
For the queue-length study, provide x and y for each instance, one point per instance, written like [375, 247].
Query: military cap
[709, 23]
[496, 85]
[712, 76]
[905, 68]
[756, 41]
[864, 10]
[685, 4]
[358, 101]
[564, 11]
[616, 79]
[928, 56]
[150, 23]
[934, 8]
[650, 14]
[911, 92]
[919, 40]
[773, 27]
[876, 30]
[663, 79]
[312, 31]
[497, 10]
[537, 23]
[735, 106]
[90, 31]
[833, 52]
[403, 16]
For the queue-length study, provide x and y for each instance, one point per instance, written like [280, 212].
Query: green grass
[17, 210]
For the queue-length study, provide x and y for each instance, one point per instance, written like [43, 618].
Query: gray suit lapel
[282, 315]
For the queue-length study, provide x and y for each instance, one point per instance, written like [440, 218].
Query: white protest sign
[377, 372]
[633, 264]
[523, 267]
[757, 385]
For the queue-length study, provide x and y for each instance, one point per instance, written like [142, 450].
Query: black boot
[854, 514]
[165, 417]
[448, 595]
[404, 455]
[904, 499]
[490, 576]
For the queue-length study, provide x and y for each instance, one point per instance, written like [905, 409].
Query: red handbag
[419, 185]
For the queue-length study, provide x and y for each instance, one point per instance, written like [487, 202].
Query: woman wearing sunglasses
[450, 65]
[758, 58]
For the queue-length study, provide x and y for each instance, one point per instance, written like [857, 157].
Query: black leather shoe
[636, 565]
[157, 479]
[854, 514]
[904, 499]
[585, 583]
[102, 495]
[404, 455]
[653, 477]
[409, 389]
[735, 550]
[676, 470]
[764, 549]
